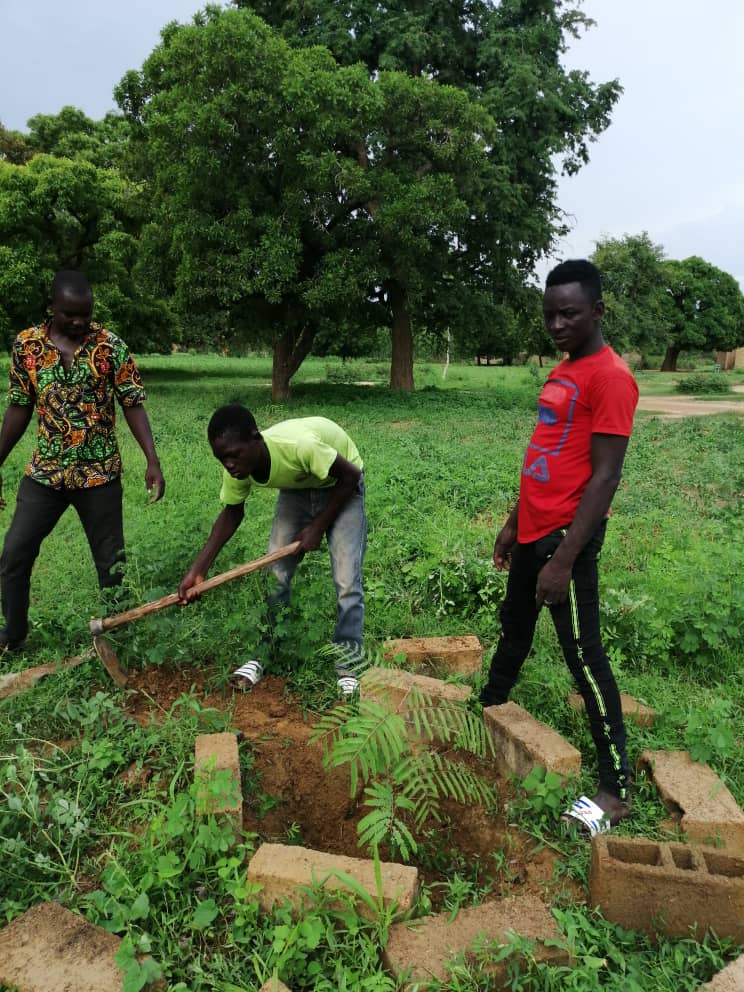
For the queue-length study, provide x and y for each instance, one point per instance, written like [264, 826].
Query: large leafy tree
[58, 214]
[705, 309]
[507, 57]
[634, 290]
[292, 197]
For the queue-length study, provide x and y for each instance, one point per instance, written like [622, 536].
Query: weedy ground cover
[97, 807]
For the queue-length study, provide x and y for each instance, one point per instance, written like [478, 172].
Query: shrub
[703, 382]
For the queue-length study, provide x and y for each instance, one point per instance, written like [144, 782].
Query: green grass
[442, 470]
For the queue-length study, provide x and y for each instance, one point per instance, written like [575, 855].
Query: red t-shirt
[592, 395]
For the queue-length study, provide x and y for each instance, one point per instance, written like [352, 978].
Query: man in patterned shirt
[72, 371]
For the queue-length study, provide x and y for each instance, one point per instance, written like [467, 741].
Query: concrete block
[731, 979]
[273, 985]
[420, 951]
[283, 869]
[218, 752]
[396, 687]
[633, 710]
[667, 888]
[700, 803]
[50, 949]
[521, 742]
[461, 655]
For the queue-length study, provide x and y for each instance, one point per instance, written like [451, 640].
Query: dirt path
[674, 407]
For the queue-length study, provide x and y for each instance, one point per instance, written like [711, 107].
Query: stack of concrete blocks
[677, 888]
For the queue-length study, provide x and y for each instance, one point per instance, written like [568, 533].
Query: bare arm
[505, 540]
[347, 476]
[224, 527]
[607, 455]
[15, 422]
[139, 425]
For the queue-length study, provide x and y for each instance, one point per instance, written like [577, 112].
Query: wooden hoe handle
[109, 623]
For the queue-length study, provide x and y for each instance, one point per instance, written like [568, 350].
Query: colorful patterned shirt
[76, 447]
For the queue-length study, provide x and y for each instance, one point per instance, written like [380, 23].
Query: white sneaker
[348, 686]
[248, 675]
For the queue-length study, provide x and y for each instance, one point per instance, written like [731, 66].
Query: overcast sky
[671, 162]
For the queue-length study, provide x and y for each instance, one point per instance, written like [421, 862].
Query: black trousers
[38, 508]
[577, 625]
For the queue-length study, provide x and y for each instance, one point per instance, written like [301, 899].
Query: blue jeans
[347, 542]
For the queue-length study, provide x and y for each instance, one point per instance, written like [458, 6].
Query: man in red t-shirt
[552, 538]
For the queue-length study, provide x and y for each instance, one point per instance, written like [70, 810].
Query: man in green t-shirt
[318, 471]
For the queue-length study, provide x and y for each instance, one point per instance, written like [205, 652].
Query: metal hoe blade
[109, 660]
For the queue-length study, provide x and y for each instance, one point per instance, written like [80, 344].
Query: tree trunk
[290, 350]
[401, 365]
[670, 359]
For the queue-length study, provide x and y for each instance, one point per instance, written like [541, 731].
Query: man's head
[72, 303]
[573, 307]
[235, 440]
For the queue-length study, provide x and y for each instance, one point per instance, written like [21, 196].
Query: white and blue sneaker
[348, 686]
[248, 675]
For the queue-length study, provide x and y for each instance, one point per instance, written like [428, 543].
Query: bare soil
[673, 407]
[291, 793]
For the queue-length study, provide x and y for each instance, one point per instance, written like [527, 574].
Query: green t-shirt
[302, 451]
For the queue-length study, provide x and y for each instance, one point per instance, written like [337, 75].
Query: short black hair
[579, 270]
[70, 281]
[232, 419]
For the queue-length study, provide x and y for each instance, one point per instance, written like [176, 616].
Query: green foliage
[404, 785]
[544, 791]
[56, 213]
[633, 290]
[710, 732]
[705, 308]
[704, 382]
[442, 472]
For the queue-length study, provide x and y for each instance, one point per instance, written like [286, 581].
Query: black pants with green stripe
[577, 625]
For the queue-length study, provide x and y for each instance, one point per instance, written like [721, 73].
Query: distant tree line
[664, 306]
[297, 177]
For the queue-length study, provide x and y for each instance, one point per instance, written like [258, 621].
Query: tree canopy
[56, 214]
[665, 305]
[298, 195]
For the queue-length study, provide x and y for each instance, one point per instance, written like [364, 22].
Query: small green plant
[404, 785]
[544, 795]
[710, 733]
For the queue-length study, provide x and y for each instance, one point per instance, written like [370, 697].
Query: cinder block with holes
[462, 655]
[521, 742]
[50, 949]
[420, 951]
[730, 979]
[633, 710]
[218, 752]
[285, 870]
[667, 888]
[699, 802]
